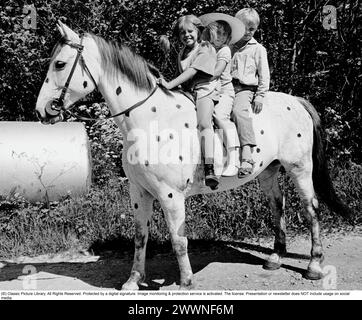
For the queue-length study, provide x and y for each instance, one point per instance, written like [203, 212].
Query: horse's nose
[52, 109]
[38, 115]
[42, 119]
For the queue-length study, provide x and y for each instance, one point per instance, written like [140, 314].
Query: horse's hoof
[269, 265]
[187, 288]
[313, 275]
[273, 262]
[188, 285]
[130, 286]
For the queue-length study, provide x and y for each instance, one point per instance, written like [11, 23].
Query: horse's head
[73, 73]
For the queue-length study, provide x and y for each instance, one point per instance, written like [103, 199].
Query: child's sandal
[243, 172]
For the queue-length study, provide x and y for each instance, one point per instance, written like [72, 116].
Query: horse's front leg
[142, 203]
[173, 205]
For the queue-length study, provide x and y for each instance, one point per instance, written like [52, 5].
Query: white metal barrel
[44, 162]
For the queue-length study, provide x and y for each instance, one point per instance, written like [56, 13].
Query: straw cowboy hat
[237, 27]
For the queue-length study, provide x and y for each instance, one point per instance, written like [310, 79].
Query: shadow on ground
[115, 262]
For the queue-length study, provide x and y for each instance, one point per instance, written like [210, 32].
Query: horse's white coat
[284, 132]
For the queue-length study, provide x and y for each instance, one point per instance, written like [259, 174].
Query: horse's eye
[59, 65]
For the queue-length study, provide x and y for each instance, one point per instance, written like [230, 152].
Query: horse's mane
[120, 58]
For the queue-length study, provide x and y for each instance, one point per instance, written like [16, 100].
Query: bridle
[56, 111]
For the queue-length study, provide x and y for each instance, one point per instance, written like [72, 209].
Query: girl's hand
[188, 74]
[163, 83]
[257, 107]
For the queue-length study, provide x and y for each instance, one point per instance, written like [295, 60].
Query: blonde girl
[196, 64]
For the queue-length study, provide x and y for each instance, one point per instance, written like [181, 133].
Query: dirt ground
[216, 266]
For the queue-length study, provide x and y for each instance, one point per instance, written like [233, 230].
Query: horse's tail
[321, 178]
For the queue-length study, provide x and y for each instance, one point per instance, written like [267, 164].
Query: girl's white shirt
[202, 88]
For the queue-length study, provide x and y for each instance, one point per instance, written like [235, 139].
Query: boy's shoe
[211, 179]
[245, 171]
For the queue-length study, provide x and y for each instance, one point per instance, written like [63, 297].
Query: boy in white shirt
[251, 80]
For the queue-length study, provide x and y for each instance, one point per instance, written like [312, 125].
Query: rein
[125, 112]
[57, 105]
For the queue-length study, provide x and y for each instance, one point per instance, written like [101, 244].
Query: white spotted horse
[153, 121]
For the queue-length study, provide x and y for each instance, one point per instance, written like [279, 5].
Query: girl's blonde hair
[210, 32]
[185, 21]
[248, 14]
[182, 23]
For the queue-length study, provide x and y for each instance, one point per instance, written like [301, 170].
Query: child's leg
[242, 119]
[244, 125]
[230, 139]
[222, 120]
[205, 109]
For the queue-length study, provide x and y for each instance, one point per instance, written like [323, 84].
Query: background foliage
[307, 60]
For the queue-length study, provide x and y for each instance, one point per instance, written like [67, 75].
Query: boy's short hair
[248, 13]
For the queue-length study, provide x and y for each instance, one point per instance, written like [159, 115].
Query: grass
[104, 215]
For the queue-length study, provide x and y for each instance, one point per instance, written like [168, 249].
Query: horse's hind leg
[269, 184]
[142, 203]
[302, 176]
[173, 205]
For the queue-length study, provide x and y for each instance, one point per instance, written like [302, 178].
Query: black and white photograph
[178, 149]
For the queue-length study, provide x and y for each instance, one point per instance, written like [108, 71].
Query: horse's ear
[60, 28]
[66, 32]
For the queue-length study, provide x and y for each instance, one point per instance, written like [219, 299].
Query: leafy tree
[305, 58]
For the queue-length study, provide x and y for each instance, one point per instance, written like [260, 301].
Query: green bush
[106, 144]
[105, 215]
[305, 59]
[31, 229]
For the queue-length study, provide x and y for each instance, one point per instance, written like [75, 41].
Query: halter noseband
[56, 109]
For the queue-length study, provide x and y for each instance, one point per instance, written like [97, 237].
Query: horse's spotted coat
[160, 171]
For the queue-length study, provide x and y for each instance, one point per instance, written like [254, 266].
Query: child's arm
[219, 69]
[264, 79]
[188, 74]
[204, 62]
[223, 58]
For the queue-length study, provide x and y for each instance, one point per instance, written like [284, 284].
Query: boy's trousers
[241, 117]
